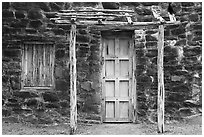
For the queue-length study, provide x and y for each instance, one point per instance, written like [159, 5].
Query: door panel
[110, 68]
[110, 109]
[124, 109]
[110, 48]
[124, 88]
[123, 47]
[110, 89]
[117, 78]
[124, 68]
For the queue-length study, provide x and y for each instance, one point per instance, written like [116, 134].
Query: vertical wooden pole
[73, 97]
[161, 92]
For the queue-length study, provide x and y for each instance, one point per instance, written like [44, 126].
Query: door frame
[133, 94]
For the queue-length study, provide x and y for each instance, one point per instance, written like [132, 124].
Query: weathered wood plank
[53, 65]
[103, 53]
[134, 91]
[73, 97]
[161, 91]
[114, 23]
[91, 14]
[44, 65]
[97, 10]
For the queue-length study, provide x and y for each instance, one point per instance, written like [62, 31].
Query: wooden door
[117, 79]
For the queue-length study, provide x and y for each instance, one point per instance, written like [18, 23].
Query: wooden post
[161, 92]
[73, 96]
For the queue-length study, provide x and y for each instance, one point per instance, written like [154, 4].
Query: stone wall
[27, 22]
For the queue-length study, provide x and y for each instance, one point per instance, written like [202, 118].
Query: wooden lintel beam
[91, 14]
[81, 22]
[97, 10]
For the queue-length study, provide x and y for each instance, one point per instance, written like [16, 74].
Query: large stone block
[43, 5]
[51, 105]
[86, 86]
[11, 53]
[151, 45]
[20, 14]
[19, 24]
[7, 14]
[197, 38]
[178, 31]
[54, 6]
[50, 97]
[6, 5]
[31, 30]
[150, 38]
[6, 112]
[35, 14]
[149, 3]
[199, 32]
[82, 38]
[25, 94]
[60, 54]
[193, 17]
[152, 53]
[36, 23]
[143, 11]
[177, 97]
[59, 31]
[61, 85]
[187, 4]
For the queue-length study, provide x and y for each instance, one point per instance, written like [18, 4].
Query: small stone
[6, 112]
[193, 17]
[31, 30]
[187, 4]
[36, 23]
[86, 86]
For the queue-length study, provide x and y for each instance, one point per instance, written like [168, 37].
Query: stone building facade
[26, 27]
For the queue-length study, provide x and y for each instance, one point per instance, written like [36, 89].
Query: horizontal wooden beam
[97, 10]
[116, 23]
[85, 17]
[38, 43]
[92, 14]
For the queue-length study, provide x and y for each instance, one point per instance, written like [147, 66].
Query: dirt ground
[188, 127]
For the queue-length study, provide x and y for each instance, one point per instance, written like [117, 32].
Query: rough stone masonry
[27, 22]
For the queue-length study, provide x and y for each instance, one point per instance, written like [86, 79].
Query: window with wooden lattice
[38, 66]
